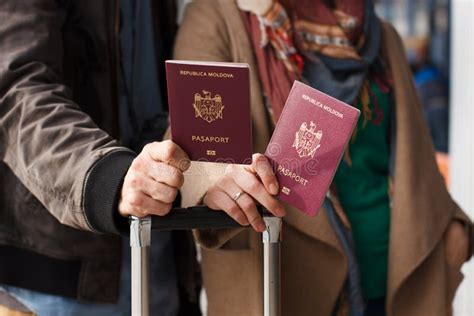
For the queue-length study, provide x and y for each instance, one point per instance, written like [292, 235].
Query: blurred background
[438, 37]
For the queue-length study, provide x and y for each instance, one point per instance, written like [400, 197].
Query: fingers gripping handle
[196, 217]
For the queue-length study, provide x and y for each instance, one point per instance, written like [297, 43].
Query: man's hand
[153, 180]
[236, 192]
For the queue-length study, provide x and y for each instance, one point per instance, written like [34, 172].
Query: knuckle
[224, 182]
[135, 200]
[234, 211]
[214, 188]
[138, 163]
[147, 147]
[156, 193]
[253, 185]
[166, 195]
[135, 180]
[248, 204]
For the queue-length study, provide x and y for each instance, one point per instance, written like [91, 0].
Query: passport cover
[209, 104]
[307, 145]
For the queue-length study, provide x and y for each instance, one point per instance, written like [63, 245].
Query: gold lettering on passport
[307, 140]
[286, 190]
[292, 175]
[210, 139]
[208, 108]
[211, 152]
[325, 107]
[215, 74]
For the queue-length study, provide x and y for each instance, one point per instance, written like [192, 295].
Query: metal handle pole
[271, 266]
[186, 219]
[140, 234]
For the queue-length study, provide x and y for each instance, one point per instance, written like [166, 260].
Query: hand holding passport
[307, 145]
[210, 119]
[238, 191]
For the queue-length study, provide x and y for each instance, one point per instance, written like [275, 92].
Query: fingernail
[280, 212]
[261, 227]
[242, 220]
[273, 188]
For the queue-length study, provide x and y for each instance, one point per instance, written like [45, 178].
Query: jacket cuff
[102, 192]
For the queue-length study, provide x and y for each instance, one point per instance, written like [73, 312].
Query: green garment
[362, 187]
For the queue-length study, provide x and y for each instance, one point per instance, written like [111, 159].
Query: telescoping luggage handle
[201, 217]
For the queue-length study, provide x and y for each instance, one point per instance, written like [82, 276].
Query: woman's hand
[238, 190]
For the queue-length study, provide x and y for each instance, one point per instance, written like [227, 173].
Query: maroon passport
[307, 145]
[209, 106]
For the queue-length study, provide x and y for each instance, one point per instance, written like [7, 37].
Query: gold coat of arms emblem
[207, 107]
[307, 140]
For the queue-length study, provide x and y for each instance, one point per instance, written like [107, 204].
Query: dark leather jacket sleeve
[72, 167]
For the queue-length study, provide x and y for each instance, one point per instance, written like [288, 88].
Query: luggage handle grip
[196, 217]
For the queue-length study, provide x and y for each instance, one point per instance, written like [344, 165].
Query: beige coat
[314, 267]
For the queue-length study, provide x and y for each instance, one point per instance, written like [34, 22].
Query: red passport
[209, 104]
[307, 145]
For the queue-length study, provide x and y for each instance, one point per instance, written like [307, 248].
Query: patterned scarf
[339, 41]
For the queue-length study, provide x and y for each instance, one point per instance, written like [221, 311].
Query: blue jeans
[164, 299]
